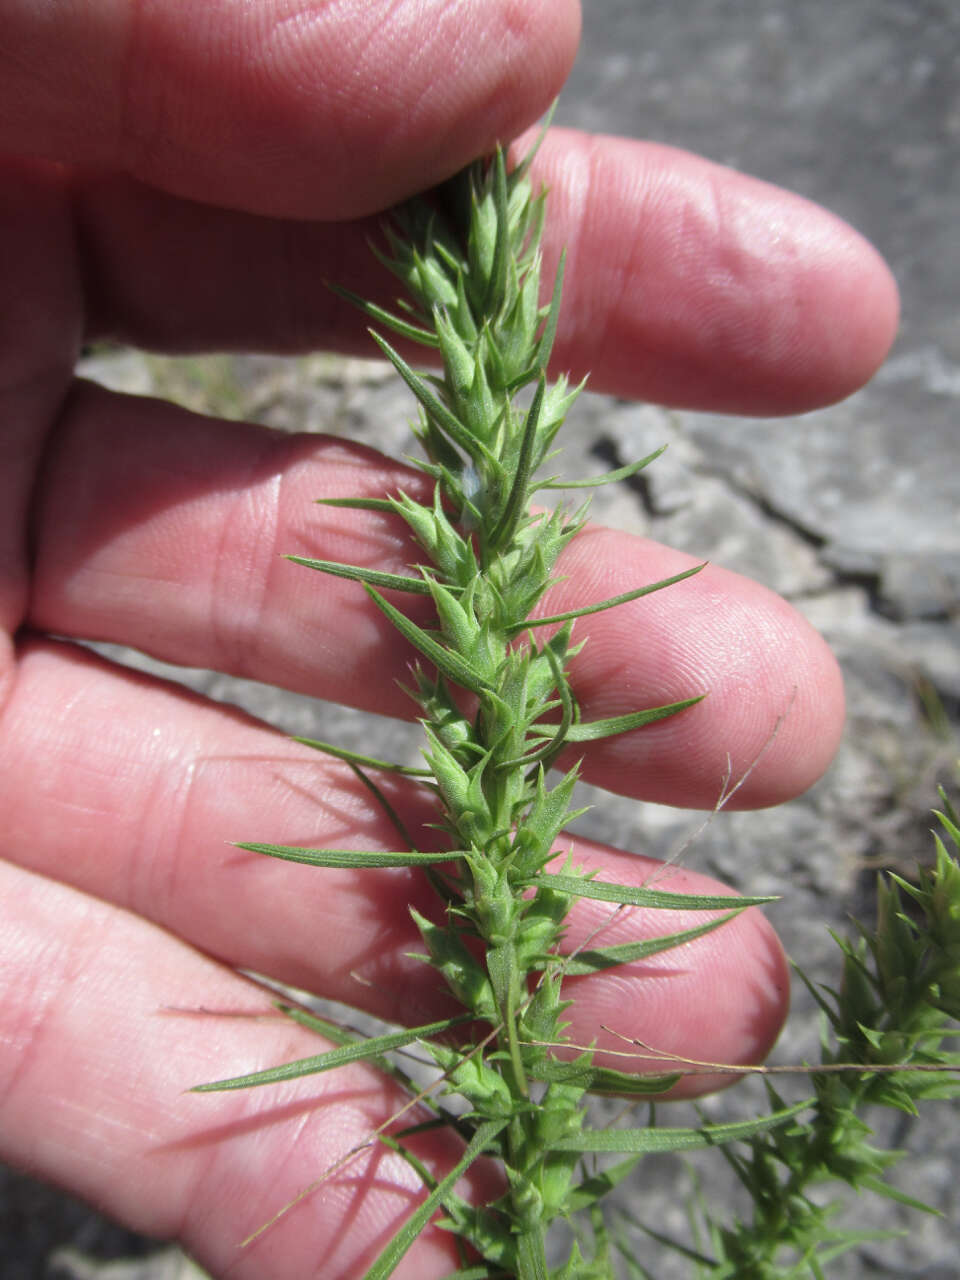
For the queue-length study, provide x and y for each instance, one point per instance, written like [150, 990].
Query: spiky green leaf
[655, 1140]
[366, 762]
[356, 858]
[592, 730]
[436, 411]
[445, 660]
[609, 477]
[358, 504]
[599, 958]
[603, 1080]
[401, 1242]
[515, 506]
[637, 896]
[370, 577]
[413, 332]
[360, 1051]
[594, 1188]
[613, 601]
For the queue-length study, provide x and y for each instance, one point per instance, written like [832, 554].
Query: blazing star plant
[493, 696]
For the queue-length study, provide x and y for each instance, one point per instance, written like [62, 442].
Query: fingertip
[743, 1002]
[696, 286]
[718, 1000]
[844, 305]
[773, 714]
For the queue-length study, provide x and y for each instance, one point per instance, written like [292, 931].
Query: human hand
[198, 183]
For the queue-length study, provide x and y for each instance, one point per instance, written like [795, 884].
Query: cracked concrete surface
[851, 512]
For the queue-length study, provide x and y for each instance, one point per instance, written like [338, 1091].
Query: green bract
[469, 262]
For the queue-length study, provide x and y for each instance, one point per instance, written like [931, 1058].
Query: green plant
[497, 713]
[884, 1031]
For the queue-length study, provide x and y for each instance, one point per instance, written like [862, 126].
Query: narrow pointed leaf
[516, 501]
[595, 1188]
[350, 857]
[401, 1242]
[889, 1192]
[356, 1052]
[529, 374]
[368, 762]
[545, 345]
[632, 895]
[449, 663]
[551, 748]
[627, 952]
[498, 268]
[373, 577]
[398, 824]
[481, 1272]
[340, 1035]
[592, 730]
[359, 504]
[847, 1240]
[415, 332]
[520, 170]
[675, 1246]
[609, 477]
[600, 1079]
[432, 404]
[625, 598]
[655, 1140]
[322, 1026]
[395, 1143]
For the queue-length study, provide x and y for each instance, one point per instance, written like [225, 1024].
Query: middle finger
[130, 789]
[165, 531]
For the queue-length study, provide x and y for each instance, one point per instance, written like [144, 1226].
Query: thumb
[296, 108]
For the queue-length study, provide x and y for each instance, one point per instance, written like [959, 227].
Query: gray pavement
[852, 512]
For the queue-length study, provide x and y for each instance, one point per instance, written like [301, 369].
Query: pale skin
[188, 185]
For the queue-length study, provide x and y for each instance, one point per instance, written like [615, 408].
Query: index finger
[193, 143]
[286, 108]
[687, 283]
